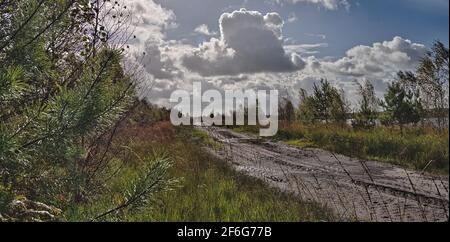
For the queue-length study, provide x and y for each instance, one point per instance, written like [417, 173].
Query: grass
[208, 190]
[302, 143]
[415, 149]
[204, 138]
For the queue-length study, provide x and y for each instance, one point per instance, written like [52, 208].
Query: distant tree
[322, 96]
[306, 110]
[329, 103]
[340, 107]
[367, 107]
[401, 106]
[326, 104]
[431, 81]
[287, 111]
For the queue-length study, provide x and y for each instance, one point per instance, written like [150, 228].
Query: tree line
[410, 98]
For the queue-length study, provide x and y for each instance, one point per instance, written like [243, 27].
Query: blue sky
[371, 21]
[365, 22]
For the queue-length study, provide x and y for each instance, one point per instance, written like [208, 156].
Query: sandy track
[354, 189]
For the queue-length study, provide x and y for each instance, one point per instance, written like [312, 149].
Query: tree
[431, 81]
[327, 103]
[401, 106]
[368, 106]
[306, 110]
[287, 111]
[433, 75]
[340, 107]
[63, 93]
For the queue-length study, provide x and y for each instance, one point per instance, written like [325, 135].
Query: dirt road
[354, 189]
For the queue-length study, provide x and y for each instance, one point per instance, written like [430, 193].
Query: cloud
[377, 63]
[150, 20]
[292, 18]
[327, 4]
[160, 16]
[204, 30]
[379, 59]
[305, 49]
[154, 70]
[159, 63]
[250, 42]
[321, 36]
[250, 51]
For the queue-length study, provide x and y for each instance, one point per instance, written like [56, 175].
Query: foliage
[137, 191]
[326, 104]
[368, 105]
[401, 106]
[306, 112]
[287, 111]
[431, 82]
[63, 91]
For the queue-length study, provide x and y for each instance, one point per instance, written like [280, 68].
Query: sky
[281, 44]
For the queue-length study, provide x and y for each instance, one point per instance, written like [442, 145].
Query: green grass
[412, 150]
[245, 129]
[302, 143]
[204, 138]
[209, 190]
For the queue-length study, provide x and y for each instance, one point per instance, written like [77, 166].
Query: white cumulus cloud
[250, 42]
[379, 59]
